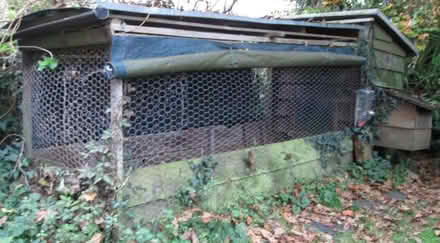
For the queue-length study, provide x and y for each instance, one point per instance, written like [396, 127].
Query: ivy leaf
[47, 63]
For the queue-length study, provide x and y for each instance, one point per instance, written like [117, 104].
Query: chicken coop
[188, 85]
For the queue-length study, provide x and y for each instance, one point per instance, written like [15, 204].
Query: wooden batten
[222, 28]
[120, 28]
[27, 115]
[351, 21]
[117, 104]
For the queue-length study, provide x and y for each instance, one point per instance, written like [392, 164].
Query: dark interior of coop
[188, 115]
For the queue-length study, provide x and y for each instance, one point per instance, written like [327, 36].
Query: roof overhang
[65, 20]
[363, 16]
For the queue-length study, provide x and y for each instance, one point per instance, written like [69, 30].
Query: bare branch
[229, 9]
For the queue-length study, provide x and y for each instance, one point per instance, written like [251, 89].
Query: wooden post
[27, 112]
[362, 150]
[117, 103]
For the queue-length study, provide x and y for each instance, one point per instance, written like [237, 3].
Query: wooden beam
[230, 28]
[116, 126]
[350, 21]
[128, 29]
[87, 37]
[27, 111]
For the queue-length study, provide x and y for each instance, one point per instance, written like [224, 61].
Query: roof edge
[376, 13]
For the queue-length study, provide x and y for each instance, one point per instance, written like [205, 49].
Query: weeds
[328, 196]
[203, 172]
[376, 170]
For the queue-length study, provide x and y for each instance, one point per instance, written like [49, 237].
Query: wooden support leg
[116, 126]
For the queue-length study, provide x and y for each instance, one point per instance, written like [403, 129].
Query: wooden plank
[380, 34]
[276, 33]
[98, 36]
[404, 116]
[423, 118]
[403, 139]
[117, 95]
[389, 79]
[388, 47]
[118, 28]
[351, 21]
[27, 112]
[390, 62]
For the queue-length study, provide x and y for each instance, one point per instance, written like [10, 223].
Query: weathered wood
[379, 17]
[363, 151]
[423, 118]
[380, 34]
[27, 114]
[96, 36]
[407, 128]
[117, 95]
[404, 139]
[350, 21]
[388, 47]
[127, 29]
[390, 62]
[389, 79]
[230, 28]
[404, 116]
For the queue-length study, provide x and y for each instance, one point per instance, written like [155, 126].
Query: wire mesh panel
[188, 115]
[69, 103]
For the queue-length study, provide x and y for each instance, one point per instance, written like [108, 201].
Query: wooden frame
[219, 28]
[121, 28]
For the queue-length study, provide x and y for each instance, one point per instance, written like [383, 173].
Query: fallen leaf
[3, 220]
[248, 220]
[89, 196]
[404, 208]
[348, 213]
[41, 215]
[266, 235]
[43, 182]
[191, 236]
[97, 238]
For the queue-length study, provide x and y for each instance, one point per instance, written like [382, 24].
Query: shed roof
[415, 100]
[54, 20]
[363, 16]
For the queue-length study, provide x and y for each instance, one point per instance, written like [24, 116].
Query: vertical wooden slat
[116, 126]
[27, 111]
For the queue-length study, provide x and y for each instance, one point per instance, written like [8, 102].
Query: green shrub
[376, 170]
[328, 196]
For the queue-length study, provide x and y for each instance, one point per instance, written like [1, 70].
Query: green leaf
[47, 63]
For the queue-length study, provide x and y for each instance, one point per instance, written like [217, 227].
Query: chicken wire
[182, 116]
[189, 115]
[68, 104]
